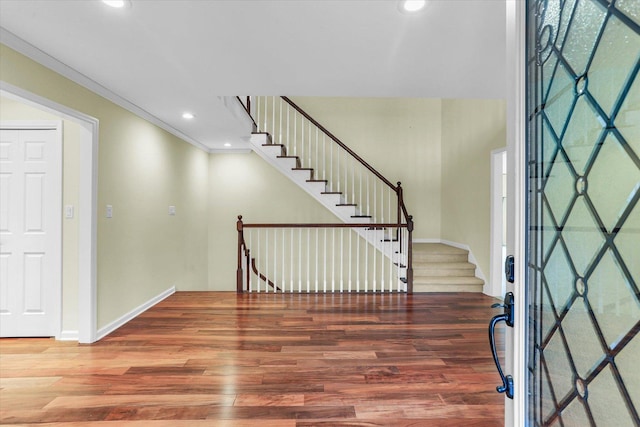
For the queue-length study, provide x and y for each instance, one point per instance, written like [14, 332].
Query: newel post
[410, 255]
[239, 287]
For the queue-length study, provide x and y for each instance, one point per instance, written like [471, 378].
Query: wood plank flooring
[221, 359]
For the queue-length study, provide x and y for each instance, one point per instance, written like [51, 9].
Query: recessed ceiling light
[412, 5]
[227, 144]
[187, 115]
[120, 4]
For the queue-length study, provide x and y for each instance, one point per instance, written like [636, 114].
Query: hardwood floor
[221, 359]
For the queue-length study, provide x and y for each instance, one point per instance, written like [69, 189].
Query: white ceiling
[168, 56]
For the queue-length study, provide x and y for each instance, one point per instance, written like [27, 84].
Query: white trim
[69, 336]
[471, 258]
[14, 42]
[426, 241]
[88, 231]
[107, 329]
[516, 337]
[494, 286]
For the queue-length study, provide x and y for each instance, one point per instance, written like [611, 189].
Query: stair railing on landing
[343, 172]
[321, 258]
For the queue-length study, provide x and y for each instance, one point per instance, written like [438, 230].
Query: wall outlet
[109, 211]
[172, 210]
[68, 211]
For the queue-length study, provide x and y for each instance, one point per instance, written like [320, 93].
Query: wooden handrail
[340, 143]
[327, 225]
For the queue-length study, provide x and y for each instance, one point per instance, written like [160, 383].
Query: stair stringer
[272, 154]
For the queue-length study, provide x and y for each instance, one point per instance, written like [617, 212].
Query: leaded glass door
[583, 212]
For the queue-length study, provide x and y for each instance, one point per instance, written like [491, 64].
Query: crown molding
[16, 43]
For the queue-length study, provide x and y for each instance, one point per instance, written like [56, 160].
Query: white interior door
[30, 229]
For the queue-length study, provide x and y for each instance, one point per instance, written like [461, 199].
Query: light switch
[68, 211]
[172, 210]
[109, 211]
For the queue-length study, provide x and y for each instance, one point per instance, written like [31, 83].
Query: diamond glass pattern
[612, 301]
[612, 199]
[606, 403]
[610, 70]
[584, 260]
[582, 133]
[582, 35]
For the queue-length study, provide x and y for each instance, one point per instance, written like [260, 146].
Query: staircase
[442, 268]
[370, 246]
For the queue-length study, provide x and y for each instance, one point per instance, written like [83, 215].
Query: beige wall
[15, 110]
[399, 137]
[142, 251]
[471, 129]
[244, 184]
[439, 149]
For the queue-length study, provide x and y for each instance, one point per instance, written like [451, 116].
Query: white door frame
[516, 337]
[88, 205]
[53, 245]
[496, 272]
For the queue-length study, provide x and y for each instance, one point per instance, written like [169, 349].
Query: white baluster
[273, 120]
[291, 260]
[249, 261]
[308, 260]
[300, 260]
[358, 263]
[324, 156]
[350, 260]
[333, 265]
[288, 132]
[316, 257]
[324, 263]
[280, 122]
[331, 166]
[375, 271]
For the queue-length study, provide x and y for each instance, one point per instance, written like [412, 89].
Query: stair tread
[360, 216]
[346, 204]
[331, 192]
[444, 265]
[317, 180]
[287, 157]
[301, 169]
[273, 145]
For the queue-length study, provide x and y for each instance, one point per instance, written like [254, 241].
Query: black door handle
[507, 317]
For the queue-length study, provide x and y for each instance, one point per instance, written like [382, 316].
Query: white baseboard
[427, 241]
[471, 258]
[106, 330]
[69, 336]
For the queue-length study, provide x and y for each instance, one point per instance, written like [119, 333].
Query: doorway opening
[87, 207]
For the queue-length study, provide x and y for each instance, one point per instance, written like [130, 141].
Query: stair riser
[429, 272]
[446, 288]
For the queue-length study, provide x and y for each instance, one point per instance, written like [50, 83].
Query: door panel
[30, 185]
[584, 216]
